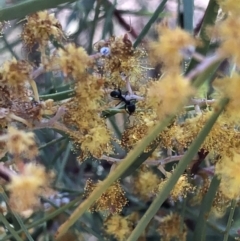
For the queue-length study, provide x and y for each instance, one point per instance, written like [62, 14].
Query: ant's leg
[128, 120]
[118, 103]
[128, 86]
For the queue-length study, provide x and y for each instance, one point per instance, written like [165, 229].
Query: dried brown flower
[170, 228]
[111, 201]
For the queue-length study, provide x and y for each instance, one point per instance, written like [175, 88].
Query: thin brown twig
[51, 122]
[148, 162]
[40, 70]
[202, 102]
[6, 173]
[205, 64]
[165, 160]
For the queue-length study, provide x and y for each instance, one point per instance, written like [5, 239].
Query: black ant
[130, 107]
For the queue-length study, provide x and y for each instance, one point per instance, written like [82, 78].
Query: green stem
[113, 176]
[141, 13]
[111, 112]
[108, 23]
[65, 189]
[20, 10]
[45, 218]
[56, 43]
[207, 74]
[59, 96]
[200, 229]
[12, 45]
[58, 153]
[63, 162]
[209, 19]
[211, 225]
[230, 219]
[184, 204]
[81, 224]
[9, 47]
[51, 143]
[154, 17]
[163, 194]
[9, 228]
[94, 23]
[18, 218]
[46, 233]
[115, 127]
[188, 11]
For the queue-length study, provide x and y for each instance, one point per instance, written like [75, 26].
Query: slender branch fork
[205, 64]
[50, 123]
[202, 102]
[148, 162]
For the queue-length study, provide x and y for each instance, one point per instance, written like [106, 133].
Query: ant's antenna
[130, 25]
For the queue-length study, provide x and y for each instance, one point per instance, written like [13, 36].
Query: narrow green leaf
[44, 219]
[115, 127]
[86, 5]
[12, 45]
[183, 211]
[140, 160]
[64, 189]
[206, 75]
[81, 224]
[214, 226]
[9, 47]
[56, 43]
[18, 218]
[110, 112]
[9, 228]
[154, 17]
[108, 23]
[199, 233]
[20, 10]
[51, 143]
[209, 19]
[230, 219]
[61, 132]
[182, 165]
[58, 96]
[142, 13]
[58, 153]
[73, 16]
[93, 27]
[64, 160]
[58, 88]
[188, 9]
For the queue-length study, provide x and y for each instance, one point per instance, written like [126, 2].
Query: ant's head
[116, 94]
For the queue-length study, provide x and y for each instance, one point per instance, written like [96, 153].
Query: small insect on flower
[105, 51]
[100, 44]
[130, 106]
